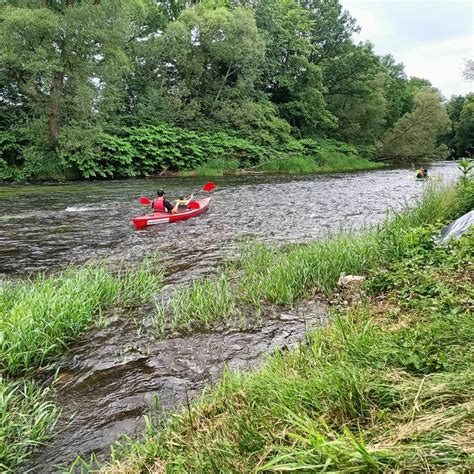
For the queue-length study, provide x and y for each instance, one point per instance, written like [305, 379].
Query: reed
[27, 416]
[286, 275]
[42, 316]
[205, 302]
[329, 163]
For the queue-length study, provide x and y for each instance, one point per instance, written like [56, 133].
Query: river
[110, 378]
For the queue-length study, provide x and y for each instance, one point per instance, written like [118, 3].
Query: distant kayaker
[422, 173]
[161, 204]
[181, 203]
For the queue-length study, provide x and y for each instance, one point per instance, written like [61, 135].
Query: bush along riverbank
[153, 150]
[40, 318]
[387, 384]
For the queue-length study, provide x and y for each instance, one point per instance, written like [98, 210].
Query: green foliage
[415, 135]
[459, 138]
[206, 302]
[293, 82]
[356, 87]
[27, 416]
[140, 151]
[217, 167]
[42, 316]
[465, 128]
[466, 167]
[86, 84]
[398, 94]
[100, 155]
[209, 61]
[321, 155]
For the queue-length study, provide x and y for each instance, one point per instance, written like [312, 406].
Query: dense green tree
[453, 108]
[397, 92]
[204, 72]
[332, 29]
[67, 67]
[355, 94]
[75, 71]
[465, 128]
[415, 135]
[289, 78]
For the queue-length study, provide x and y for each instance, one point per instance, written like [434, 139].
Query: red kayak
[156, 218]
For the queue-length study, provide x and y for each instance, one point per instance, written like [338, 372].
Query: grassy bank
[335, 162]
[27, 417]
[386, 385]
[41, 317]
[289, 165]
[296, 157]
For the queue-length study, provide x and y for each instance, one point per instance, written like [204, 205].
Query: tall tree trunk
[53, 106]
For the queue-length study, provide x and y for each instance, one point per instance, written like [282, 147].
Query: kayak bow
[141, 222]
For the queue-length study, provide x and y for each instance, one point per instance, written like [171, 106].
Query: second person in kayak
[161, 204]
[181, 203]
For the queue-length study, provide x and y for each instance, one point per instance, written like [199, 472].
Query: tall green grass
[39, 318]
[42, 316]
[217, 166]
[284, 276]
[326, 162]
[27, 416]
[204, 303]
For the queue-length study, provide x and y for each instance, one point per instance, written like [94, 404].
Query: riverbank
[387, 384]
[293, 273]
[41, 317]
[336, 163]
[172, 151]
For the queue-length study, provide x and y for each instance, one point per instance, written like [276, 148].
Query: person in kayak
[181, 203]
[161, 204]
[422, 173]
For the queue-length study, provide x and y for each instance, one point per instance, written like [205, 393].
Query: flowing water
[111, 377]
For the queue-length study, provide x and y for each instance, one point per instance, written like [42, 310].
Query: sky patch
[432, 38]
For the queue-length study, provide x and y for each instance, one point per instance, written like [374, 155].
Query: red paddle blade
[208, 187]
[193, 205]
[145, 201]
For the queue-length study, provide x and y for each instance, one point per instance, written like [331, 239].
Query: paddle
[194, 205]
[206, 188]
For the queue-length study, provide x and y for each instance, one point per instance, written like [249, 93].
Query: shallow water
[109, 379]
[106, 385]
